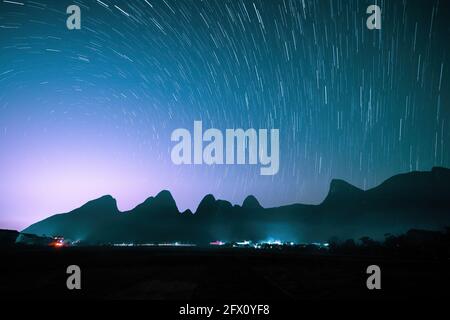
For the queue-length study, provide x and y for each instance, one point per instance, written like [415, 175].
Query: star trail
[90, 112]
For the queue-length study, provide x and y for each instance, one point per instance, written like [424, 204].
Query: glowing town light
[58, 242]
[123, 244]
[217, 243]
[176, 244]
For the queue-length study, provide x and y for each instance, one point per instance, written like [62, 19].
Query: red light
[57, 244]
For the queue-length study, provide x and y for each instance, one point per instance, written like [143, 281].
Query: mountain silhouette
[342, 192]
[402, 202]
[251, 203]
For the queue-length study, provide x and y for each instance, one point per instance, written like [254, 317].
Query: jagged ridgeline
[405, 201]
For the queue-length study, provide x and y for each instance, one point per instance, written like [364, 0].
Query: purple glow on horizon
[56, 172]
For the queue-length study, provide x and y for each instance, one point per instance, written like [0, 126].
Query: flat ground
[207, 274]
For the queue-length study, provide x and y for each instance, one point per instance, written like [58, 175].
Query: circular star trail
[90, 112]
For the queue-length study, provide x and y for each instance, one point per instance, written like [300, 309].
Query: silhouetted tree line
[414, 243]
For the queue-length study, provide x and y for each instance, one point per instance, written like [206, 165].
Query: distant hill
[8, 237]
[404, 201]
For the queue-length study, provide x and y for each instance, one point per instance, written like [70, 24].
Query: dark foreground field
[206, 274]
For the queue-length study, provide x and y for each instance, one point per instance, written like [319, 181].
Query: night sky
[90, 112]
